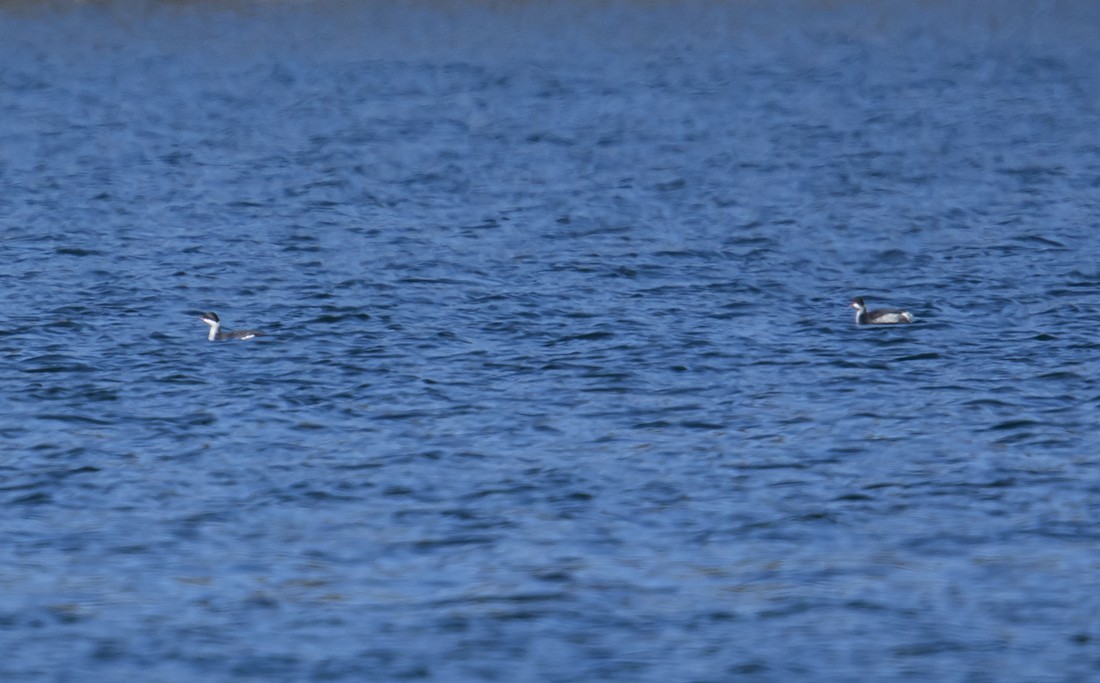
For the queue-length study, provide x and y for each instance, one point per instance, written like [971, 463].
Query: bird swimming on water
[881, 316]
[216, 333]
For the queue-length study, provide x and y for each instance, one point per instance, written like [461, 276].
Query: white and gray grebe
[881, 316]
[216, 333]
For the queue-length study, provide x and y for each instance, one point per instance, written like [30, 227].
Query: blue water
[559, 381]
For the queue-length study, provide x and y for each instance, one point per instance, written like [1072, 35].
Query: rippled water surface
[559, 380]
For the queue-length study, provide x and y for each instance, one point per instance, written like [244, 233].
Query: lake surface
[559, 381]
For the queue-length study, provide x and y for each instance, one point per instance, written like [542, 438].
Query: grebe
[216, 333]
[882, 316]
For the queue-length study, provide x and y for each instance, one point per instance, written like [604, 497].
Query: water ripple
[559, 382]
